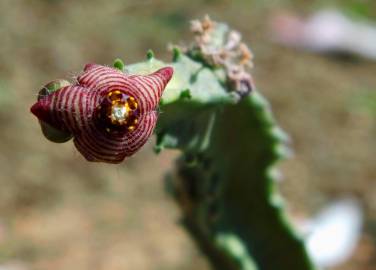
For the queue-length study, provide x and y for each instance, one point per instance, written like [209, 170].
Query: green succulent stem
[230, 143]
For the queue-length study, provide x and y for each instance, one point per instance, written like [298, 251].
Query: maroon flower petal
[96, 146]
[65, 108]
[148, 88]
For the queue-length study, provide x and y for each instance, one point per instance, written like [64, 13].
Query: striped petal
[66, 108]
[148, 89]
[110, 114]
[98, 146]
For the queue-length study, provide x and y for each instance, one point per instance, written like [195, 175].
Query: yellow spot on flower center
[118, 112]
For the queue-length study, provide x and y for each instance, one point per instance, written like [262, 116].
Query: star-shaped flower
[110, 114]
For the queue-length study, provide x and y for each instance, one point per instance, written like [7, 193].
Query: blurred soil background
[58, 211]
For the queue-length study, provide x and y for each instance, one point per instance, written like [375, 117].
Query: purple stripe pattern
[110, 114]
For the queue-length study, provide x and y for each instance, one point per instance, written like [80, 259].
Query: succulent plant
[224, 181]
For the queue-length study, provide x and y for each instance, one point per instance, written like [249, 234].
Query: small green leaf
[176, 53]
[185, 94]
[119, 64]
[150, 55]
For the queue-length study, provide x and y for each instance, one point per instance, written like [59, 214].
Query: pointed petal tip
[166, 73]
[41, 111]
[37, 109]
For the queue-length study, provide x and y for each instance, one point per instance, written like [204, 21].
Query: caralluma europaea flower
[109, 114]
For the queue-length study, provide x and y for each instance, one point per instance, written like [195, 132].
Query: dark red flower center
[117, 113]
